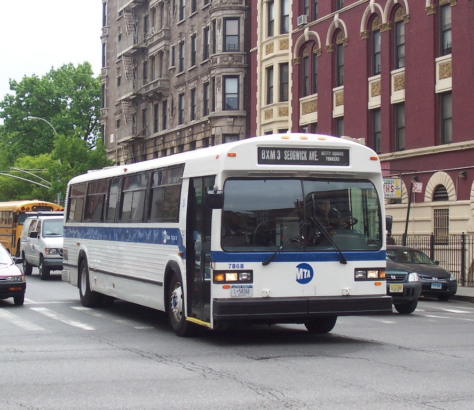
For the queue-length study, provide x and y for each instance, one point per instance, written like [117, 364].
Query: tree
[65, 143]
[68, 98]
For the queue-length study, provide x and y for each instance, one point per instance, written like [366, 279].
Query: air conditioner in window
[303, 19]
[152, 31]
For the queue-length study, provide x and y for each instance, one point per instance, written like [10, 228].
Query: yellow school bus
[12, 216]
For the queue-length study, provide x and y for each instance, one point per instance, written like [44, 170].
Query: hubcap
[83, 281]
[176, 302]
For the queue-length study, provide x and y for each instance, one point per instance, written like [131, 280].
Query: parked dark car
[403, 286]
[12, 280]
[435, 281]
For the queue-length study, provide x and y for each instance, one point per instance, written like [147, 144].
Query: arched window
[445, 42]
[339, 59]
[440, 194]
[399, 39]
[309, 70]
[375, 47]
[305, 73]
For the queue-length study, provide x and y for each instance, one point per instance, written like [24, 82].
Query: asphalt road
[55, 354]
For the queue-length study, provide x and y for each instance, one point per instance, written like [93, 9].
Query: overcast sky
[36, 36]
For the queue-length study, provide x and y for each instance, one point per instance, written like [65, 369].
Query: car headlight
[51, 251]
[413, 277]
[15, 278]
[452, 277]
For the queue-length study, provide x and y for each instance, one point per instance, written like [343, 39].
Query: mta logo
[304, 273]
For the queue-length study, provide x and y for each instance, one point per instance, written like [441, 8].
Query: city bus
[12, 216]
[230, 235]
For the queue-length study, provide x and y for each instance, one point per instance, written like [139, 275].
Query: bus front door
[198, 249]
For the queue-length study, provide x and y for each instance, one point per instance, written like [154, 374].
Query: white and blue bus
[234, 234]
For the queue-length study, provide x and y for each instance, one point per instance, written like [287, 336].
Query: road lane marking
[61, 318]
[24, 324]
[455, 311]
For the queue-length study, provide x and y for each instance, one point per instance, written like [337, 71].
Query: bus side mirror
[388, 223]
[215, 200]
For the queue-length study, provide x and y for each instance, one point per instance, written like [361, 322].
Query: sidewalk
[464, 293]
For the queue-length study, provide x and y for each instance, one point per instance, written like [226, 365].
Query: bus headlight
[369, 274]
[233, 276]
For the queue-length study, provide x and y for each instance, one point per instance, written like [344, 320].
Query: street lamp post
[30, 117]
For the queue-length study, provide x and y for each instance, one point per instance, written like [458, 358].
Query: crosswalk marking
[24, 324]
[61, 318]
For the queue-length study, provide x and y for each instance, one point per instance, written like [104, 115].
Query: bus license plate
[240, 291]
[436, 286]
[398, 288]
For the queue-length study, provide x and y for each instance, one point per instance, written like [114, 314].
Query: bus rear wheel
[176, 307]
[321, 325]
[88, 297]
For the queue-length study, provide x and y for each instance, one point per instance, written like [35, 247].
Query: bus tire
[176, 307]
[27, 268]
[321, 325]
[44, 271]
[88, 297]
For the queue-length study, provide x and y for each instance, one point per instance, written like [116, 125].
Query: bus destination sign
[303, 156]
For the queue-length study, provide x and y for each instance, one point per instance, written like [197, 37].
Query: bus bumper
[298, 310]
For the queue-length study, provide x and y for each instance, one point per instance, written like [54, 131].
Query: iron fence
[454, 253]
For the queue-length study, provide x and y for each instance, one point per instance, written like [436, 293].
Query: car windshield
[53, 228]
[409, 256]
[300, 215]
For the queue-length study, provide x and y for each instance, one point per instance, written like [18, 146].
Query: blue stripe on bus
[352, 256]
[155, 236]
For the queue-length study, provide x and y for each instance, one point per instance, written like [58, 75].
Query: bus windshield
[300, 215]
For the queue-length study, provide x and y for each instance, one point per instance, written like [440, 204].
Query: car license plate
[240, 291]
[396, 288]
[436, 286]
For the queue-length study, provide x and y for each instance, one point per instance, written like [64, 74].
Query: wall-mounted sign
[392, 188]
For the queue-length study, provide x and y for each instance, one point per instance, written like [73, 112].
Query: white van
[42, 243]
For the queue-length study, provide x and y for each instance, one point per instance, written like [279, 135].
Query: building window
[181, 57]
[156, 110]
[376, 130]
[445, 29]
[164, 115]
[399, 45]
[285, 17]
[102, 94]
[231, 93]
[339, 125]
[400, 127]
[284, 81]
[104, 59]
[213, 94]
[271, 19]
[104, 14]
[182, 9]
[193, 104]
[173, 53]
[206, 45]
[144, 123]
[441, 220]
[270, 85]
[314, 127]
[214, 37]
[153, 67]
[181, 109]
[314, 82]
[315, 10]
[305, 74]
[339, 59]
[305, 7]
[193, 50]
[145, 26]
[145, 72]
[205, 104]
[231, 35]
[376, 52]
[193, 6]
[338, 4]
[230, 138]
[446, 118]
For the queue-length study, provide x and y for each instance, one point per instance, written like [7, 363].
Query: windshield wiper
[326, 234]
[290, 237]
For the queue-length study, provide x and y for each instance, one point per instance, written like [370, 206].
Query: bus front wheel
[176, 310]
[88, 297]
[321, 325]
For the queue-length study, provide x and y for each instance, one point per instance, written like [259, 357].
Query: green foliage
[64, 140]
